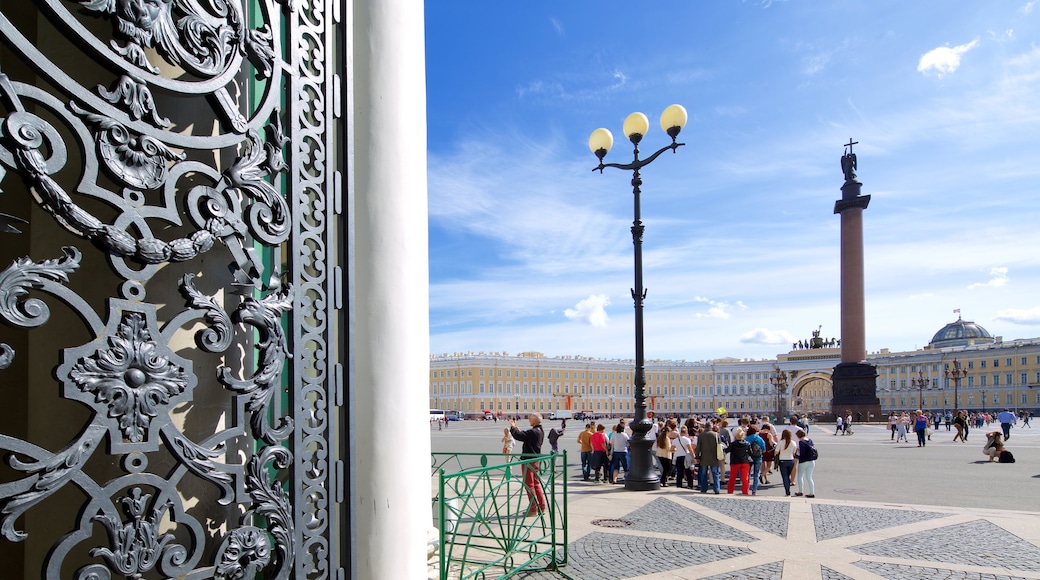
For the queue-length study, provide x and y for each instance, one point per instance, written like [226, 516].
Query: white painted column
[391, 501]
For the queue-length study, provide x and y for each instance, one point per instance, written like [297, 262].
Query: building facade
[998, 374]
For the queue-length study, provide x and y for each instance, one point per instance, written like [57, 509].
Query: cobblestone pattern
[836, 521]
[771, 516]
[603, 556]
[667, 517]
[902, 572]
[975, 543]
[829, 574]
[771, 571]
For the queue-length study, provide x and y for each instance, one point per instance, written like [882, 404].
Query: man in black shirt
[532, 447]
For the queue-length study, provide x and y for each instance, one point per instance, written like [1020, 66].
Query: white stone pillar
[389, 415]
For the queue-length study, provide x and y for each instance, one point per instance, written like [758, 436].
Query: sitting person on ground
[994, 445]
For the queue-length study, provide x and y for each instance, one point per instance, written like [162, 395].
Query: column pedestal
[853, 390]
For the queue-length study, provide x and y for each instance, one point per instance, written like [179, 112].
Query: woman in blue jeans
[619, 452]
[759, 444]
[786, 450]
[920, 427]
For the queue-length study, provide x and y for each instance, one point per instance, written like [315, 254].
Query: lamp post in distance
[641, 477]
[779, 380]
[956, 373]
[920, 382]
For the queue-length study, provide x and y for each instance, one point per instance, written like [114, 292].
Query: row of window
[527, 388]
[909, 400]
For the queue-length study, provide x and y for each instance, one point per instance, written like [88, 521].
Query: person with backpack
[758, 451]
[806, 456]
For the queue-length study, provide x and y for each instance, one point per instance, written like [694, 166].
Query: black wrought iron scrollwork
[200, 461]
[160, 155]
[6, 355]
[271, 502]
[136, 98]
[265, 315]
[136, 545]
[23, 274]
[216, 338]
[46, 476]
[179, 31]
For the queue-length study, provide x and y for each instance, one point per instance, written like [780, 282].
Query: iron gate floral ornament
[135, 377]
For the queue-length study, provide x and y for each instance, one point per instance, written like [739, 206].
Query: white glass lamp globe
[673, 119]
[636, 125]
[601, 141]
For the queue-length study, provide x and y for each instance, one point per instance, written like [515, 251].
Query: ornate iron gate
[171, 220]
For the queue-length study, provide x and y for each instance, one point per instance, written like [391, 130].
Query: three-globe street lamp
[956, 373]
[779, 380]
[641, 477]
[920, 383]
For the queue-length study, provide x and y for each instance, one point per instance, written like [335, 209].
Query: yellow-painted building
[998, 374]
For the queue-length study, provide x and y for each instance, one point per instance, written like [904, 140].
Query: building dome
[960, 333]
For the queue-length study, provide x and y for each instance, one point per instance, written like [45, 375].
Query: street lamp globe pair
[641, 476]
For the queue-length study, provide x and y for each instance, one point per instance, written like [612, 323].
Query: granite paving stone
[830, 574]
[667, 517]
[771, 571]
[771, 516]
[605, 556]
[974, 543]
[904, 572]
[836, 521]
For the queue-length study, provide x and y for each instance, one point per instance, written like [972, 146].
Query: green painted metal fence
[483, 510]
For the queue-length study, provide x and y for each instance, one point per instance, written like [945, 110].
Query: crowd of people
[696, 453]
[924, 423]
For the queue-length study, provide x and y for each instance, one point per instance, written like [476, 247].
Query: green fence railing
[489, 521]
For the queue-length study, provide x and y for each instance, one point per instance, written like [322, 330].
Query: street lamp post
[956, 373]
[920, 382]
[641, 477]
[779, 380]
[983, 401]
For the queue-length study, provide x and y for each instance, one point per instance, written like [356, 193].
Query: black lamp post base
[641, 476]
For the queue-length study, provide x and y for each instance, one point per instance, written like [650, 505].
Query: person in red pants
[531, 439]
[739, 462]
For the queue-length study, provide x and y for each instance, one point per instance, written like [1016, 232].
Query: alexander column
[854, 387]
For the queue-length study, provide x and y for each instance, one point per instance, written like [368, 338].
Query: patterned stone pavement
[687, 535]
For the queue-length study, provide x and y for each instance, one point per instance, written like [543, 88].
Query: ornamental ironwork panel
[169, 289]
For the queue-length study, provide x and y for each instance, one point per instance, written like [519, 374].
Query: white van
[556, 415]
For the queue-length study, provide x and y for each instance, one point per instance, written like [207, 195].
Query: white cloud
[1016, 316]
[766, 336]
[999, 278]
[944, 59]
[557, 25]
[591, 310]
[1027, 7]
[718, 309]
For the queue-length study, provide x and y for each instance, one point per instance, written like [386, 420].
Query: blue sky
[530, 250]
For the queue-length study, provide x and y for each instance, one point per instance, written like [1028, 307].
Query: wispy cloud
[1030, 316]
[944, 59]
[591, 310]
[718, 309]
[1027, 7]
[767, 337]
[557, 26]
[998, 278]
[922, 296]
